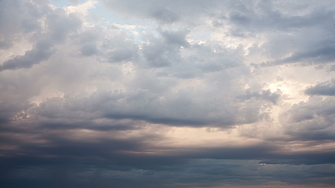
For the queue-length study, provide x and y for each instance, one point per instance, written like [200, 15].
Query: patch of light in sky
[132, 27]
[61, 3]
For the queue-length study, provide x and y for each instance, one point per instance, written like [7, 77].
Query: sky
[167, 93]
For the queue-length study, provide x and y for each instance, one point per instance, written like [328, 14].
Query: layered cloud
[167, 93]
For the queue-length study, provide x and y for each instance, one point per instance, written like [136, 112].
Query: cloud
[60, 24]
[163, 15]
[265, 95]
[167, 93]
[160, 54]
[6, 44]
[177, 38]
[41, 51]
[89, 49]
[326, 88]
[319, 55]
[25, 22]
[311, 120]
[143, 105]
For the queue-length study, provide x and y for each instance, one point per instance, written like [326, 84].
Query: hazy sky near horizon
[167, 93]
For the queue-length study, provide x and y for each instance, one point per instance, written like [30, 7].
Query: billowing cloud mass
[167, 93]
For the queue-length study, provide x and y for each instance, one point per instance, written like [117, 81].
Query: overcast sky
[167, 93]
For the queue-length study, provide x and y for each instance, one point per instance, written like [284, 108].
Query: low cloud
[167, 93]
[326, 88]
[41, 51]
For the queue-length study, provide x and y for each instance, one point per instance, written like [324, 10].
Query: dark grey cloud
[24, 22]
[89, 49]
[163, 15]
[321, 54]
[121, 55]
[265, 95]
[41, 51]
[317, 55]
[10, 109]
[266, 16]
[161, 54]
[327, 88]
[6, 44]
[106, 126]
[239, 18]
[226, 173]
[163, 12]
[142, 106]
[105, 163]
[120, 48]
[175, 37]
[311, 120]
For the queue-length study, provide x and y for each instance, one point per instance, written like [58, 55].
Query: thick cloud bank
[167, 93]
